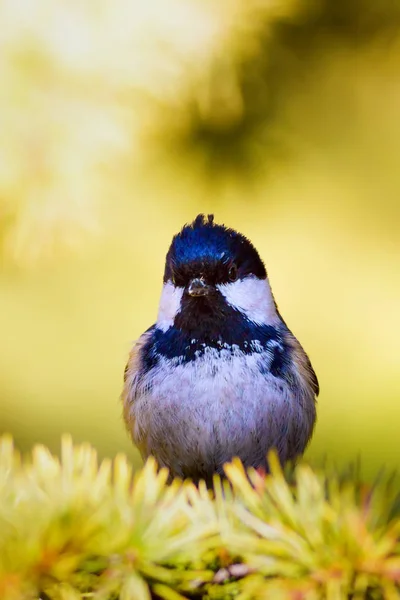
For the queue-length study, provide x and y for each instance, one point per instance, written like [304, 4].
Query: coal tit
[219, 374]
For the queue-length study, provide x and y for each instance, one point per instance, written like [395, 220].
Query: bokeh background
[120, 121]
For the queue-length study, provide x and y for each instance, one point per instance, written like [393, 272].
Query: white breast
[198, 415]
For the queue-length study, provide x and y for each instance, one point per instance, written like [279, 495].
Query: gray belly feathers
[195, 416]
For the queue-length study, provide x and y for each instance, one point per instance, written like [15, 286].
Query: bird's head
[214, 279]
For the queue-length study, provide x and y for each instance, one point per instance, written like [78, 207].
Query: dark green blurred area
[282, 119]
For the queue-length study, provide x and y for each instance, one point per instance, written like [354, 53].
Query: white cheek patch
[170, 305]
[253, 297]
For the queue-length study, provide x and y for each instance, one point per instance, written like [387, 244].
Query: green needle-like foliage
[73, 529]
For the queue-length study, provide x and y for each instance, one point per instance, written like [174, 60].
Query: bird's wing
[132, 377]
[302, 358]
[312, 376]
[303, 368]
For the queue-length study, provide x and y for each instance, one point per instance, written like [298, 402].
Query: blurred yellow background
[121, 121]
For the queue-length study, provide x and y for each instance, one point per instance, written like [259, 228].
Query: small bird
[219, 374]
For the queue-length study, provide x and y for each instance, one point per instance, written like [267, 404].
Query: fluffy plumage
[219, 374]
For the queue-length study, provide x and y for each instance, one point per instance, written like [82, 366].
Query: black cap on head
[206, 249]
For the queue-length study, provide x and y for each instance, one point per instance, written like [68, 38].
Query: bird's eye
[233, 273]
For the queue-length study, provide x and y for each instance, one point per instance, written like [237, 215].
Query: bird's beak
[198, 287]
